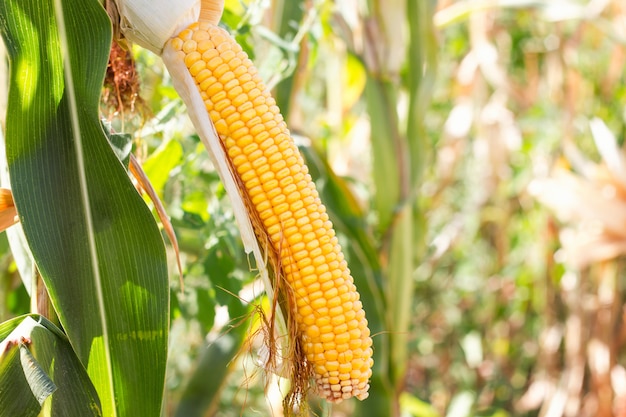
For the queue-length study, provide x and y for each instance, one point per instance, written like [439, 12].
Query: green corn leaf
[93, 239]
[388, 159]
[16, 398]
[39, 369]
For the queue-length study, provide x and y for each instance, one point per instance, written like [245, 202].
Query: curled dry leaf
[146, 186]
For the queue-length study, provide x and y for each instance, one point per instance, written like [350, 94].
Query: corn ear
[331, 322]
[267, 181]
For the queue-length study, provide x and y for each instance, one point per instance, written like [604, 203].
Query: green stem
[422, 56]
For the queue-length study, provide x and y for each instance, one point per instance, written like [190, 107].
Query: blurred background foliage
[470, 153]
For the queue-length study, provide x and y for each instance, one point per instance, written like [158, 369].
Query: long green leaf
[400, 290]
[95, 242]
[422, 53]
[16, 398]
[388, 164]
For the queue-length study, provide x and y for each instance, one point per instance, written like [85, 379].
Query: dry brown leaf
[592, 204]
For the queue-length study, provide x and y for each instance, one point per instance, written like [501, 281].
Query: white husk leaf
[151, 23]
[186, 88]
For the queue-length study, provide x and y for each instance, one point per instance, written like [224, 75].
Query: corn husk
[151, 23]
[186, 88]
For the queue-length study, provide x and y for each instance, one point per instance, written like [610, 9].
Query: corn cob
[330, 318]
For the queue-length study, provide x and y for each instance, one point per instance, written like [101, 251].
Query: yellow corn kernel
[329, 316]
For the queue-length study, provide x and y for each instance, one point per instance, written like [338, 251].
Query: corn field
[469, 154]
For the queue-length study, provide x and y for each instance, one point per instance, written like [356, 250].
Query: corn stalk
[399, 37]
